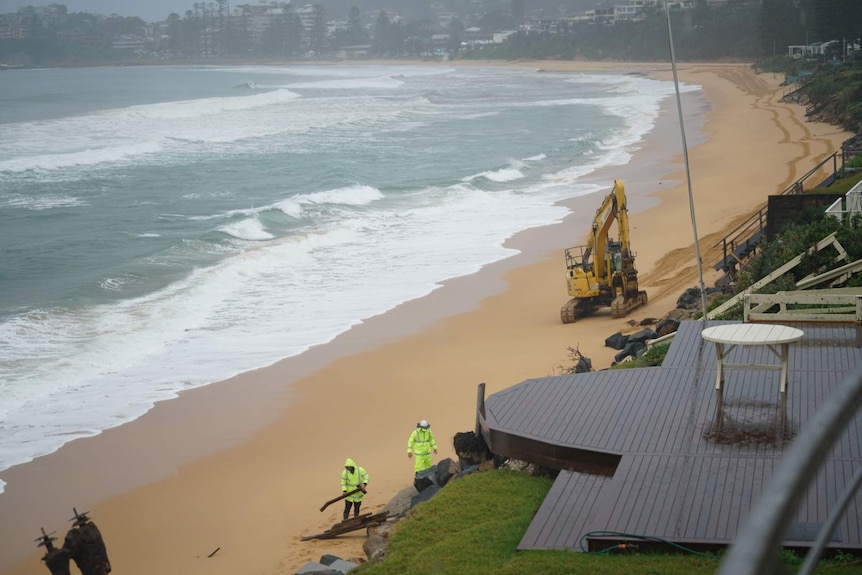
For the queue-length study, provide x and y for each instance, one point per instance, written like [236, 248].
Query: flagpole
[687, 170]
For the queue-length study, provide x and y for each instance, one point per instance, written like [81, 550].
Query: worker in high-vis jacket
[421, 445]
[353, 477]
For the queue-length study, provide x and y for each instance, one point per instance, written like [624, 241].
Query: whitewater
[162, 228]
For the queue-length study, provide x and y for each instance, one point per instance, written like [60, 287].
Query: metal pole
[480, 406]
[687, 170]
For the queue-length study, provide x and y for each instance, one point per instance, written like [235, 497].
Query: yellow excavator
[602, 272]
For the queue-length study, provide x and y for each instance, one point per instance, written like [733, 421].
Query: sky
[149, 10]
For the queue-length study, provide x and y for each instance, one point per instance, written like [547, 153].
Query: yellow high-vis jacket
[350, 481]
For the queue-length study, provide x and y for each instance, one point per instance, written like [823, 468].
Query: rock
[444, 471]
[680, 314]
[424, 495]
[470, 448]
[642, 336]
[342, 566]
[666, 326]
[317, 569]
[420, 484]
[617, 341]
[584, 365]
[424, 479]
[690, 298]
[375, 548]
[382, 529]
[399, 504]
[632, 349]
[522, 466]
[648, 321]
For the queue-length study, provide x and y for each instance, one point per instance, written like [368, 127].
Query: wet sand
[244, 465]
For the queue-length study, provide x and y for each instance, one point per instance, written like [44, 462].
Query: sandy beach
[243, 465]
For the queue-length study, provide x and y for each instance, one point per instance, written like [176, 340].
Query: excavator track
[571, 311]
[621, 306]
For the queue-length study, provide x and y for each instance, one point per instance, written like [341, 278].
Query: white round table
[728, 336]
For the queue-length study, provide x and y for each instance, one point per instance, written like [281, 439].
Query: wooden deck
[655, 451]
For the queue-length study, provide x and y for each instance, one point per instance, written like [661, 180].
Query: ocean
[166, 227]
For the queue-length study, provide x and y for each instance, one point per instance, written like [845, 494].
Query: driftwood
[57, 560]
[83, 544]
[361, 522]
[87, 548]
[342, 496]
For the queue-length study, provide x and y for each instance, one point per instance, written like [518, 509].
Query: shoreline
[250, 480]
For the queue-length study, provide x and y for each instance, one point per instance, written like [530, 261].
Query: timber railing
[743, 240]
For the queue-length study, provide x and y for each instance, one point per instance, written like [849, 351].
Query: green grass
[653, 357]
[841, 185]
[473, 526]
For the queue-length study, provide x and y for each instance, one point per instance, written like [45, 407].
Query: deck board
[689, 465]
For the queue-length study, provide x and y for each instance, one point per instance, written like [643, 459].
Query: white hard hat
[424, 424]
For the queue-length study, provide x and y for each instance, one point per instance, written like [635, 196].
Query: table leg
[719, 376]
[784, 353]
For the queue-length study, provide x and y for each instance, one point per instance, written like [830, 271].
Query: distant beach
[243, 465]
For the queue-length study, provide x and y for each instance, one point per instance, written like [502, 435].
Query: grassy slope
[473, 526]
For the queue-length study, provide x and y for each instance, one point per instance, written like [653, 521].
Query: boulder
[317, 569]
[424, 495]
[642, 336]
[424, 479]
[470, 448]
[617, 341]
[634, 349]
[648, 321]
[446, 468]
[521, 466]
[666, 326]
[399, 504]
[584, 365]
[342, 566]
[375, 547]
[420, 484]
[680, 314]
[382, 529]
[690, 298]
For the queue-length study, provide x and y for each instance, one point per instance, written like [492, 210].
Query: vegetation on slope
[473, 526]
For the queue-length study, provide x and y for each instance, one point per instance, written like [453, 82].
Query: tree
[518, 10]
[355, 30]
[456, 30]
[173, 31]
[284, 35]
[779, 25]
[381, 31]
[317, 35]
[833, 19]
[223, 32]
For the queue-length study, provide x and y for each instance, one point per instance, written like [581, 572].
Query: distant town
[633, 30]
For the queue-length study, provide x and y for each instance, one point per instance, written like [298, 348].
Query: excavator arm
[613, 208]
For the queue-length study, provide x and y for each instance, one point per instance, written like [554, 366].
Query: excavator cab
[602, 272]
